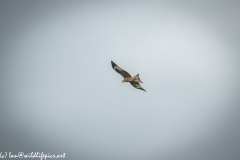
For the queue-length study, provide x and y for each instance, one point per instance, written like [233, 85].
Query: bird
[127, 77]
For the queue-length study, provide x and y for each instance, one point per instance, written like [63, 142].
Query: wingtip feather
[113, 64]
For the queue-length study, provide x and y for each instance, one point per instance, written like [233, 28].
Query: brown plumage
[130, 79]
[127, 77]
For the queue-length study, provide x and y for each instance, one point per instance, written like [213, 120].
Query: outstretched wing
[137, 85]
[120, 70]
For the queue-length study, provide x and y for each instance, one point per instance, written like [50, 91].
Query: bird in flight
[127, 77]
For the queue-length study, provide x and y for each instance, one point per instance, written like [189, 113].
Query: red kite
[127, 77]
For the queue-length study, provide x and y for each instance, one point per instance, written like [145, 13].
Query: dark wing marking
[137, 85]
[120, 70]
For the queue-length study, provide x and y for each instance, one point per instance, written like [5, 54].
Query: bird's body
[127, 77]
[130, 79]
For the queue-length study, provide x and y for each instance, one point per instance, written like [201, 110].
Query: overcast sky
[59, 93]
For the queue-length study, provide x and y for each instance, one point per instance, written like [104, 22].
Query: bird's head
[124, 80]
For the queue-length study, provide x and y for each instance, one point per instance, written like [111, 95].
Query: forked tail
[137, 78]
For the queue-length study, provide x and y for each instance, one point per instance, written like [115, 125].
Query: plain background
[59, 93]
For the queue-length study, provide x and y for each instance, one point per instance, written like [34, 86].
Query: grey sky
[59, 92]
